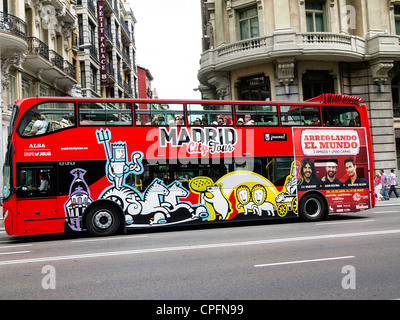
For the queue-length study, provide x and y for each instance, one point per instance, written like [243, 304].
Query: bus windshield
[8, 158]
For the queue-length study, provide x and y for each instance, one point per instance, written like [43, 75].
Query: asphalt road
[347, 257]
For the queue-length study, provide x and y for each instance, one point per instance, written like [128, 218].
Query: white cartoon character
[259, 198]
[243, 195]
[117, 162]
[218, 201]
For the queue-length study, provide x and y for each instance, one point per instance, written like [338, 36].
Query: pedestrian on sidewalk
[384, 183]
[393, 183]
[378, 186]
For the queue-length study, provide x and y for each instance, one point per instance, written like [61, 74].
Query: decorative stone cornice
[16, 61]
[52, 16]
[220, 80]
[380, 70]
[285, 71]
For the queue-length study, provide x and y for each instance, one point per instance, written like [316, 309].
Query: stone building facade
[292, 50]
[54, 48]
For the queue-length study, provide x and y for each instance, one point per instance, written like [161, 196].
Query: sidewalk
[386, 203]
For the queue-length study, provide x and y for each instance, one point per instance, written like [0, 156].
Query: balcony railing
[56, 59]
[70, 69]
[13, 25]
[38, 47]
[326, 37]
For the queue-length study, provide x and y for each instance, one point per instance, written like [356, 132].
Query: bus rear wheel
[103, 221]
[312, 207]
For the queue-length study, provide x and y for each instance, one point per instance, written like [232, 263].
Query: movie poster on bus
[334, 161]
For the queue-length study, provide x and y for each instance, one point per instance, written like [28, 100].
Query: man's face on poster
[350, 169]
[307, 171]
[331, 171]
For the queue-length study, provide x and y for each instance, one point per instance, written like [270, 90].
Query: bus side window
[262, 115]
[297, 115]
[105, 114]
[340, 116]
[36, 181]
[158, 114]
[47, 118]
[213, 114]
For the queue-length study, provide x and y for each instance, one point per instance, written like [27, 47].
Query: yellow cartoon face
[243, 194]
[259, 194]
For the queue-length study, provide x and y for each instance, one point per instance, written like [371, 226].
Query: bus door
[37, 200]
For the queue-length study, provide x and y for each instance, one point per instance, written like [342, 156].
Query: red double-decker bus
[109, 165]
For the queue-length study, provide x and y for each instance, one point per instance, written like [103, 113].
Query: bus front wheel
[103, 221]
[312, 207]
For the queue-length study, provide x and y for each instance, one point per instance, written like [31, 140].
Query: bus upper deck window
[255, 114]
[159, 114]
[47, 118]
[213, 114]
[340, 116]
[297, 115]
[105, 114]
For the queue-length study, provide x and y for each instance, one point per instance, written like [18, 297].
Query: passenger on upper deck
[39, 125]
[247, 118]
[227, 121]
[179, 121]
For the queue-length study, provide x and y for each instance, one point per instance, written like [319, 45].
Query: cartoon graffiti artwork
[233, 196]
[79, 199]
[230, 198]
[157, 204]
[287, 200]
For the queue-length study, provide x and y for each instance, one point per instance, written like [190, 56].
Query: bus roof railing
[336, 99]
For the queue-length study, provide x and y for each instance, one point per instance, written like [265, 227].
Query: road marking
[302, 261]
[108, 239]
[198, 247]
[341, 222]
[386, 212]
[15, 252]
[16, 246]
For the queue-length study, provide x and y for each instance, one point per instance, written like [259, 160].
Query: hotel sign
[102, 43]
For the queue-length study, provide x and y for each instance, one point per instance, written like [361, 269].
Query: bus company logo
[200, 140]
[330, 142]
[37, 150]
[37, 146]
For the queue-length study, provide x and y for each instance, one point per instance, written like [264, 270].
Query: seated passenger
[179, 121]
[248, 120]
[39, 126]
[240, 122]
[227, 121]
[197, 122]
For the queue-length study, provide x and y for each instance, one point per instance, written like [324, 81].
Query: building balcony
[13, 32]
[324, 46]
[48, 64]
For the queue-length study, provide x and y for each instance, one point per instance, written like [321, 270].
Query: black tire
[103, 220]
[312, 207]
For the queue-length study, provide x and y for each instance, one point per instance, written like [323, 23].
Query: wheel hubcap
[103, 220]
[313, 207]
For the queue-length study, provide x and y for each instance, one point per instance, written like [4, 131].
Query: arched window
[317, 82]
[254, 88]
